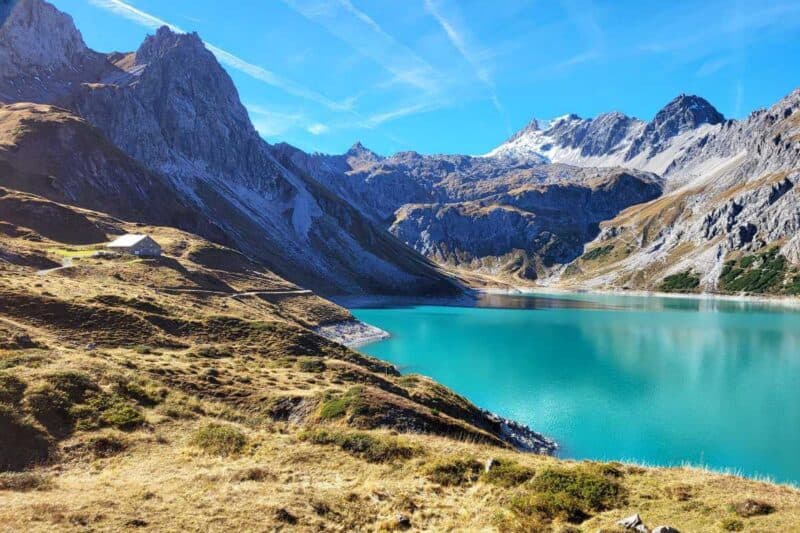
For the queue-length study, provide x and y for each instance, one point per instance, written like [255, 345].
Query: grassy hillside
[188, 393]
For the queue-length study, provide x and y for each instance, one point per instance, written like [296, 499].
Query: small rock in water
[631, 522]
[665, 529]
[490, 463]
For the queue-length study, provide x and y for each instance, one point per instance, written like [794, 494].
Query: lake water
[655, 380]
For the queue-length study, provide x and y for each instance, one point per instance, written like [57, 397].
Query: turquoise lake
[662, 381]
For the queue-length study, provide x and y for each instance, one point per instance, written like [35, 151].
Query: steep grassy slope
[162, 394]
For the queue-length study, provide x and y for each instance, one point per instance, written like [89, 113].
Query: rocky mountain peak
[164, 41]
[46, 36]
[360, 152]
[42, 54]
[686, 112]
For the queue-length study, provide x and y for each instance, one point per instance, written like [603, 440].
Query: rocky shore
[521, 436]
[351, 333]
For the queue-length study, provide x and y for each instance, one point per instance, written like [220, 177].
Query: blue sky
[445, 76]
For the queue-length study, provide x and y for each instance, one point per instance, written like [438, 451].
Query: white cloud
[318, 129]
[257, 72]
[714, 65]
[459, 41]
[362, 33]
[380, 118]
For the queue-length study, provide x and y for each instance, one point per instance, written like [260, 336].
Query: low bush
[23, 481]
[312, 365]
[122, 416]
[749, 507]
[375, 449]
[550, 505]
[597, 253]
[219, 439]
[731, 524]
[105, 409]
[454, 472]
[682, 282]
[11, 389]
[508, 474]
[75, 385]
[351, 401]
[758, 273]
[570, 494]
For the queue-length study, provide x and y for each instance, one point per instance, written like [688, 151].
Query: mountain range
[159, 136]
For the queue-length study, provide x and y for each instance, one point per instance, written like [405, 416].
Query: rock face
[174, 110]
[733, 193]
[502, 217]
[50, 152]
[42, 56]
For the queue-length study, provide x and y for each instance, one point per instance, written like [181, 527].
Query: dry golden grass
[147, 370]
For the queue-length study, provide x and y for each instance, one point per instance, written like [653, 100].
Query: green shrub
[219, 439]
[598, 492]
[22, 444]
[410, 381]
[74, 384]
[454, 472]
[122, 416]
[683, 282]
[312, 365]
[757, 273]
[104, 409]
[11, 389]
[570, 494]
[351, 401]
[508, 474]
[597, 253]
[731, 524]
[550, 505]
[375, 449]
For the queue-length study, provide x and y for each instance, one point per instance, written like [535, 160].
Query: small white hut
[131, 243]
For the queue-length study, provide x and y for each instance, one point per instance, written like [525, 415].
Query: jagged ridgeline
[607, 202]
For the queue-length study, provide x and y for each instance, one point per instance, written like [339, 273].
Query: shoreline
[778, 301]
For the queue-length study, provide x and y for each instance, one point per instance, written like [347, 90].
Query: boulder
[633, 521]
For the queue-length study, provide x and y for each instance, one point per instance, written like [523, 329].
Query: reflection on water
[515, 301]
[660, 380]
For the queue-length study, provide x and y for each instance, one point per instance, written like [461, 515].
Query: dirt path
[268, 292]
[65, 263]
